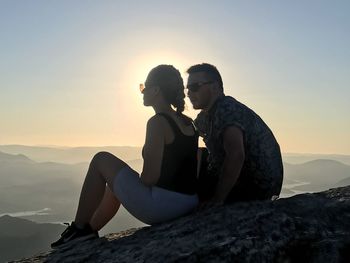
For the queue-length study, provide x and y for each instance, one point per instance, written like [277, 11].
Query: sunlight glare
[139, 68]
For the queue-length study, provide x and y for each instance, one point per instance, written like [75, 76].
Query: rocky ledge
[303, 228]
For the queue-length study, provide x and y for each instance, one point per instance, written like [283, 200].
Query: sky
[70, 70]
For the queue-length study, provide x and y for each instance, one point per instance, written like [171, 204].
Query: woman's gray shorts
[150, 205]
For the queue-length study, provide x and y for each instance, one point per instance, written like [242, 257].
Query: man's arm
[234, 159]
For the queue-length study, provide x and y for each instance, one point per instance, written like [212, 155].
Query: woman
[166, 188]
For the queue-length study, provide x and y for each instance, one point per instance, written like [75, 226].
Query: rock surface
[303, 228]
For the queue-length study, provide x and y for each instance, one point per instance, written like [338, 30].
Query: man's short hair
[211, 72]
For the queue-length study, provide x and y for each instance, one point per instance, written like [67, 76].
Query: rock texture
[302, 228]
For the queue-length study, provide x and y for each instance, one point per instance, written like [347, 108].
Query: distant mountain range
[71, 155]
[56, 184]
[29, 185]
[50, 188]
[26, 185]
[298, 158]
[13, 158]
[50, 179]
[22, 238]
[320, 174]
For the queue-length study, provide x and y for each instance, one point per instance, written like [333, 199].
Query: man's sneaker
[73, 234]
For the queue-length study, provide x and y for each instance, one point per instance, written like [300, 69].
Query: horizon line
[138, 146]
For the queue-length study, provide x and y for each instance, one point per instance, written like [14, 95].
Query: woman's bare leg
[106, 210]
[103, 168]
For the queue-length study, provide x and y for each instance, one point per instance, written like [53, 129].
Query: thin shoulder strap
[171, 122]
[196, 132]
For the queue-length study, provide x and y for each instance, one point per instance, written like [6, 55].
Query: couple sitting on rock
[241, 162]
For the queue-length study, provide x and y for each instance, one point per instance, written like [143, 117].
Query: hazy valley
[42, 184]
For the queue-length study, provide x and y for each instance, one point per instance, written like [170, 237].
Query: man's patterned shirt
[263, 162]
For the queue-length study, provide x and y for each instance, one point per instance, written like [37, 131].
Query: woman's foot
[73, 234]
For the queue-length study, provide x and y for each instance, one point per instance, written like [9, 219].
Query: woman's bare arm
[153, 151]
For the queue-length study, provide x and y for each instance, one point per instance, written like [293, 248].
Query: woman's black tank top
[179, 164]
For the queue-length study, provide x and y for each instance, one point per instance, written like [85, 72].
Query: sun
[139, 67]
[130, 110]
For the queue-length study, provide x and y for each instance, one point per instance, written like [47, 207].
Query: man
[244, 161]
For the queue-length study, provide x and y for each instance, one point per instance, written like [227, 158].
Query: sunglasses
[194, 87]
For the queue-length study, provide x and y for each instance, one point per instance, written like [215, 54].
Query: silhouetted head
[204, 85]
[168, 80]
[209, 71]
